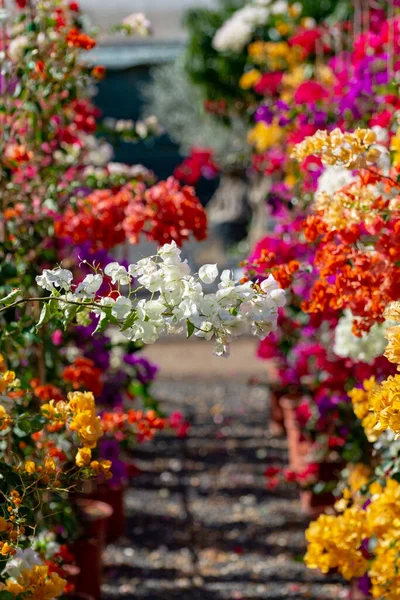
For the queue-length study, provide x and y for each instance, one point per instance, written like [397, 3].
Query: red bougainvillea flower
[98, 219]
[198, 164]
[165, 212]
[310, 92]
[272, 471]
[306, 39]
[269, 83]
[83, 374]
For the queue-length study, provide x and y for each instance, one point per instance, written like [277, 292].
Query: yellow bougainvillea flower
[385, 403]
[30, 467]
[5, 419]
[37, 583]
[362, 409]
[101, 467]
[84, 420]
[264, 136]
[249, 79]
[334, 542]
[6, 380]
[56, 411]
[392, 351]
[83, 457]
[350, 150]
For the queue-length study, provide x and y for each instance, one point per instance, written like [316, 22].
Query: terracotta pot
[114, 497]
[298, 448]
[276, 420]
[356, 593]
[88, 556]
[95, 516]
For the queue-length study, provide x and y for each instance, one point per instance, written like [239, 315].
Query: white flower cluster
[128, 128]
[333, 179]
[177, 303]
[21, 561]
[137, 24]
[238, 30]
[117, 171]
[360, 349]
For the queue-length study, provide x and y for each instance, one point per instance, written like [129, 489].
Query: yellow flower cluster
[275, 55]
[350, 150]
[249, 79]
[351, 205]
[37, 584]
[335, 542]
[84, 420]
[385, 570]
[395, 148]
[361, 407]
[392, 351]
[264, 136]
[385, 402]
[84, 459]
[80, 414]
[7, 378]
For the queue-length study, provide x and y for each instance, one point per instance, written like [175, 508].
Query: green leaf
[129, 321]
[45, 315]
[9, 299]
[189, 329]
[4, 595]
[102, 324]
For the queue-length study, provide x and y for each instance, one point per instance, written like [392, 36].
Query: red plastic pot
[114, 497]
[88, 555]
[95, 516]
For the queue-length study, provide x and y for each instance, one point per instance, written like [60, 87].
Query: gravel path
[201, 525]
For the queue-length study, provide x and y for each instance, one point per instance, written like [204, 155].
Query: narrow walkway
[201, 525]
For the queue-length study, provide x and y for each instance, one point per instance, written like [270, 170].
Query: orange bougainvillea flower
[80, 40]
[98, 72]
[46, 392]
[84, 374]
[16, 154]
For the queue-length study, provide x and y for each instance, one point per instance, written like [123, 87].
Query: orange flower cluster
[267, 263]
[142, 424]
[46, 392]
[84, 374]
[78, 39]
[364, 281]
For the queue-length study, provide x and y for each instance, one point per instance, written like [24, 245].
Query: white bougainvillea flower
[118, 273]
[178, 302]
[121, 308]
[208, 273]
[90, 285]
[60, 278]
